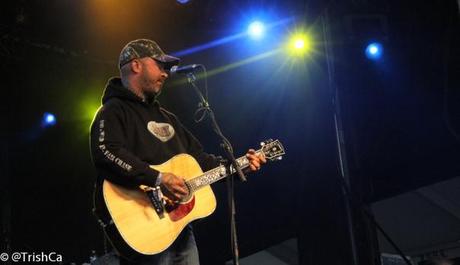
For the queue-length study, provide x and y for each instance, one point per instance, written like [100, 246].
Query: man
[131, 131]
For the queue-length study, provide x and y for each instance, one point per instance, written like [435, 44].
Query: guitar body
[137, 228]
[129, 218]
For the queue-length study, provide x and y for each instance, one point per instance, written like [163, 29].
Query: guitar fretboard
[216, 174]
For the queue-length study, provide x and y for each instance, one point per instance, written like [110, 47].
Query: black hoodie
[128, 135]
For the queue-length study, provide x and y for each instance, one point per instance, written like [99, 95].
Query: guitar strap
[102, 223]
[103, 218]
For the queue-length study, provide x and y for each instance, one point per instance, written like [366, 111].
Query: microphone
[183, 69]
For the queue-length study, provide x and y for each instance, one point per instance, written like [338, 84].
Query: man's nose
[164, 74]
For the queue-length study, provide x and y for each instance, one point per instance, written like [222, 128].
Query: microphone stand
[232, 167]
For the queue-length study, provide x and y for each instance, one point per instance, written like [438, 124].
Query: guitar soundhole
[178, 211]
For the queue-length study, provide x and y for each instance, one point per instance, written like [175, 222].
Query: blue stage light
[374, 51]
[256, 30]
[183, 2]
[49, 119]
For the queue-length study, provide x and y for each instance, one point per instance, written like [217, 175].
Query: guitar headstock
[272, 149]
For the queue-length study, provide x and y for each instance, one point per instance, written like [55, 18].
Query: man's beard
[149, 88]
[151, 95]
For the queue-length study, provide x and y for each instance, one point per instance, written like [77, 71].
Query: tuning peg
[262, 143]
[279, 158]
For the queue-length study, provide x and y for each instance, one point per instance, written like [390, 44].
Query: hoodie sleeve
[112, 160]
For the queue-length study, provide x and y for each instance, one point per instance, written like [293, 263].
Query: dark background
[400, 114]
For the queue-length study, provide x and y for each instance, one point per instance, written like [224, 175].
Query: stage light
[89, 109]
[256, 30]
[49, 119]
[88, 106]
[374, 51]
[299, 44]
[183, 2]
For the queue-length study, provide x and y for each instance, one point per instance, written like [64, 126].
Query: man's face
[153, 76]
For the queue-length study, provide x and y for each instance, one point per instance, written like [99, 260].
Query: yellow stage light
[299, 45]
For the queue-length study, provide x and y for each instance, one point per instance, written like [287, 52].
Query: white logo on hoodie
[163, 131]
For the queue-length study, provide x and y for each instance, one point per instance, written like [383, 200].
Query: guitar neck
[217, 174]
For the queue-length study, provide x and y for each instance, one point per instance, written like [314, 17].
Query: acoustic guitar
[143, 222]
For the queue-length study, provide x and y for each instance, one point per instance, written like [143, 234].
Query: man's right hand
[173, 187]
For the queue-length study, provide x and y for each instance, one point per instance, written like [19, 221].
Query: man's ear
[136, 66]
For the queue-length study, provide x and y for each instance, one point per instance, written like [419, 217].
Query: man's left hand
[255, 160]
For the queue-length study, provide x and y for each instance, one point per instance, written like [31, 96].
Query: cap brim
[168, 60]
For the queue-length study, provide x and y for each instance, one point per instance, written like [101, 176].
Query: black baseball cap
[141, 48]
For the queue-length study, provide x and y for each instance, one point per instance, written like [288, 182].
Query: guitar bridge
[156, 198]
